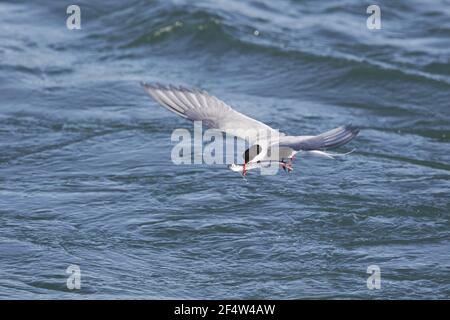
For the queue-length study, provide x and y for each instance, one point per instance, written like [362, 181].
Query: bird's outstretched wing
[327, 140]
[198, 105]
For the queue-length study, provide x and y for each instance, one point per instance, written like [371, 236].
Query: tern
[198, 105]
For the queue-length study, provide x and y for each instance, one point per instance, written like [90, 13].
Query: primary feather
[198, 105]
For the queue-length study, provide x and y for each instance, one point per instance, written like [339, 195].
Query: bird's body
[267, 144]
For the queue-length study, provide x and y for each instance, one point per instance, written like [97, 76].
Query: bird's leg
[285, 166]
[290, 165]
[244, 171]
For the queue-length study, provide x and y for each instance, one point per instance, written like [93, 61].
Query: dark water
[86, 176]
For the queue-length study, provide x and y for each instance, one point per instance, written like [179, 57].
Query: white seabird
[198, 105]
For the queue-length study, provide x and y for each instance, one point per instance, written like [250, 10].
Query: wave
[143, 30]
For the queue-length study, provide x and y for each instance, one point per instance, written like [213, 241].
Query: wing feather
[198, 105]
[327, 140]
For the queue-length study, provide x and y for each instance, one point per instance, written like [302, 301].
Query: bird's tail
[330, 139]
